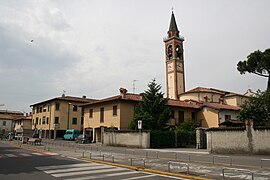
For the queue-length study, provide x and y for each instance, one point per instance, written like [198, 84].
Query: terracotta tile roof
[176, 103]
[23, 118]
[213, 90]
[220, 106]
[127, 97]
[67, 98]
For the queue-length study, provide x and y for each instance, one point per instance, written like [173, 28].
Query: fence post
[169, 166]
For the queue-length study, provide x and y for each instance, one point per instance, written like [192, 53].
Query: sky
[94, 47]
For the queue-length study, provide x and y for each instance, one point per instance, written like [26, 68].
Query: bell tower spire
[175, 76]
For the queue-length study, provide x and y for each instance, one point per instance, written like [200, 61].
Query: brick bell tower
[175, 74]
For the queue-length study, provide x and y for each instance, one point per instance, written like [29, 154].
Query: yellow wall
[125, 112]
[62, 113]
[208, 117]
[187, 114]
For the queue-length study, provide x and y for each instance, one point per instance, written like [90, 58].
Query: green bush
[162, 139]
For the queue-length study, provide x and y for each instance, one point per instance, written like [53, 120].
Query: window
[181, 116]
[193, 116]
[47, 120]
[90, 113]
[48, 107]
[40, 109]
[43, 119]
[56, 120]
[227, 117]
[74, 120]
[34, 110]
[102, 115]
[74, 107]
[39, 121]
[44, 109]
[114, 110]
[37, 109]
[4, 123]
[57, 106]
[36, 120]
[172, 114]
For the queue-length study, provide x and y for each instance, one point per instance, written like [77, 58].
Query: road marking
[38, 154]
[10, 155]
[141, 177]
[108, 170]
[76, 169]
[24, 154]
[67, 166]
[51, 154]
[105, 175]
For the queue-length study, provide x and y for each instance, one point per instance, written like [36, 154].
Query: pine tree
[153, 110]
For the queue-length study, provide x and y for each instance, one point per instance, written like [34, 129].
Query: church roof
[173, 25]
[213, 90]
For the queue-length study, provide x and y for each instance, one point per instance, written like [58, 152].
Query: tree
[257, 63]
[153, 110]
[257, 109]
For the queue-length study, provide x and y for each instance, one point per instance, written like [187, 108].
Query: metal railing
[263, 160]
[180, 164]
[228, 157]
[235, 169]
[137, 159]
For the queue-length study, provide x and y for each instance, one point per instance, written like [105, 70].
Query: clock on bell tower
[175, 74]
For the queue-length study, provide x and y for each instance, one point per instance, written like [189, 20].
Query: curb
[144, 169]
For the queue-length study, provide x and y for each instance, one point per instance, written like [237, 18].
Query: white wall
[127, 138]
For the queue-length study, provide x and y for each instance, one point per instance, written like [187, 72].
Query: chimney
[84, 97]
[123, 92]
[221, 101]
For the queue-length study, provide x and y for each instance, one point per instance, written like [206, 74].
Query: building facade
[7, 120]
[51, 118]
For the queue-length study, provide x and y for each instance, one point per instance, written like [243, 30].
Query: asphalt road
[17, 163]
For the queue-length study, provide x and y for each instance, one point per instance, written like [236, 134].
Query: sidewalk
[199, 162]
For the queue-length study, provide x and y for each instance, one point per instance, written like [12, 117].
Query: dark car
[83, 139]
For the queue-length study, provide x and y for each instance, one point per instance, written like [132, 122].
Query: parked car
[83, 139]
[71, 134]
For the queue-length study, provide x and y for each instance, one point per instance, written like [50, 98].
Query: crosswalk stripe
[50, 153]
[87, 172]
[103, 176]
[66, 166]
[140, 177]
[24, 154]
[10, 155]
[76, 169]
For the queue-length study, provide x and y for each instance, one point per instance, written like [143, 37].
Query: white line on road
[87, 172]
[76, 169]
[67, 166]
[10, 155]
[103, 176]
[24, 154]
[38, 154]
[141, 177]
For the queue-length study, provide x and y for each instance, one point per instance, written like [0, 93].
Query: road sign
[139, 124]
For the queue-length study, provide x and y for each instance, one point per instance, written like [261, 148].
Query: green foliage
[162, 139]
[185, 138]
[257, 109]
[257, 63]
[153, 110]
[187, 126]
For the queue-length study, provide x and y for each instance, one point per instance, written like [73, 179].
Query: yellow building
[54, 116]
[114, 112]
[23, 125]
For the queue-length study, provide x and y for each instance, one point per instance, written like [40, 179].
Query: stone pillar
[200, 138]
[94, 135]
[54, 134]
